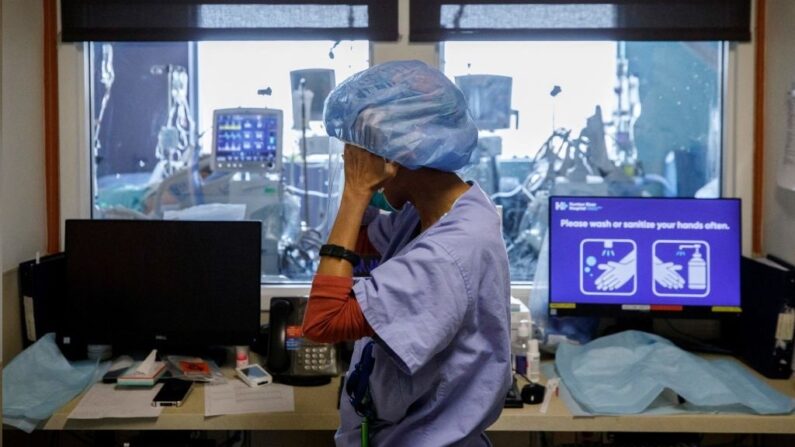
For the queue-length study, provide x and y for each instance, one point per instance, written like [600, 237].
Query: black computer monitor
[617, 256]
[176, 284]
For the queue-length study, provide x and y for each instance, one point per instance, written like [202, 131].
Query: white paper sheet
[235, 397]
[103, 400]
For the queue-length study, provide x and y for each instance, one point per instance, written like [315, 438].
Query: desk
[316, 409]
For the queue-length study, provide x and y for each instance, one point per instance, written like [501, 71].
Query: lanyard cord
[358, 388]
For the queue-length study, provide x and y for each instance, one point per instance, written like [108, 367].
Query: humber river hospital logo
[570, 205]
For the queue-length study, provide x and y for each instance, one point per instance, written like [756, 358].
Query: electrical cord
[515, 373]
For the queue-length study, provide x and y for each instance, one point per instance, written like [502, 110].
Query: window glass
[219, 130]
[588, 119]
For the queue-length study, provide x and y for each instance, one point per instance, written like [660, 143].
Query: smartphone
[173, 393]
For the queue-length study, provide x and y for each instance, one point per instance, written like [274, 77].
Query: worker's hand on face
[365, 173]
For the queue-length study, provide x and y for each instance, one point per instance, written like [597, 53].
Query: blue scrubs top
[440, 306]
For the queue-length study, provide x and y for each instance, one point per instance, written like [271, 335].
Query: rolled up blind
[195, 20]
[650, 20]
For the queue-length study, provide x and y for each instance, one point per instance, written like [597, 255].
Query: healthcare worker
[431, 364]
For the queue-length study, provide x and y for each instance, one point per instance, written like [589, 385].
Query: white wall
[738, 154]
[22, 198]
[75, 161]
[1, 191]
[779, 204]
[2, 174]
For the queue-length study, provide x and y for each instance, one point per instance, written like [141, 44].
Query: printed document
[235, 397]
[104, 400]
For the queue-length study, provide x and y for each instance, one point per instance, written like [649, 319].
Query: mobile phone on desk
[173, 393]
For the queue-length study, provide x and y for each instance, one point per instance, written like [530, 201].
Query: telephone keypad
[316, 358]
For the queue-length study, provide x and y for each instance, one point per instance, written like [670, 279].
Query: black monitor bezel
[244, 332]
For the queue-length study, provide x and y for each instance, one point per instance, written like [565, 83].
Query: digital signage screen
[613, 255]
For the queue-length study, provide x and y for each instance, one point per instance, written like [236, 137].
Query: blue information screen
[644, 254]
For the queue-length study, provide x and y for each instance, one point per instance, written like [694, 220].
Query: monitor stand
[644, 324]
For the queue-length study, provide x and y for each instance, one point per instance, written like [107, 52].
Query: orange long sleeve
[333, 314]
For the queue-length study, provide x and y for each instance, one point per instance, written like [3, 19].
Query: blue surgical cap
[404, 111]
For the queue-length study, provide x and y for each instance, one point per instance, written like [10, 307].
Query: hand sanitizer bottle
[533, 361]
[519, 347]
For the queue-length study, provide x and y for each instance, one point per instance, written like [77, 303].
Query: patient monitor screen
[618, 255]
[246, 138]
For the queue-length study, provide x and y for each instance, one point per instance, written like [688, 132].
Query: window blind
[195, 20]
[649, 20]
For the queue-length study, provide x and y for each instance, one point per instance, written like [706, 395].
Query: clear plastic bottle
[521, 346]
[533, 361]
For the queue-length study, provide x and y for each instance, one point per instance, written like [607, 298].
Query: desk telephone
[292, 358]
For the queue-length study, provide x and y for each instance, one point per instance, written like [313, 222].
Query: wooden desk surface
[316, 409]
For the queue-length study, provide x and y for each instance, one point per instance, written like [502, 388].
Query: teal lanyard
[365, 432]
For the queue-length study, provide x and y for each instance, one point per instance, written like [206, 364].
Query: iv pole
[302, 84]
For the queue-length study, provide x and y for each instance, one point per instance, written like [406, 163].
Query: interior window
[222, 130]
[556, 118]
[599, 118]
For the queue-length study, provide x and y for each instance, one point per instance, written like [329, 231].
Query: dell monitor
[246, 139]
[616, 256]
[141, 285]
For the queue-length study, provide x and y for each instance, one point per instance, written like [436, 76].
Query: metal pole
[303, 150]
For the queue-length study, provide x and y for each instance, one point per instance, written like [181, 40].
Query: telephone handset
[292, 359]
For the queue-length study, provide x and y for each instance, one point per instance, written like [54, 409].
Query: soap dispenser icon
[696, 269]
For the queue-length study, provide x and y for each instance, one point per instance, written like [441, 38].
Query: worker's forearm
[345, 231]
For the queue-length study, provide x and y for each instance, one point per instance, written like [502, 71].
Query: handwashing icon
[677, 276]
[608, 267]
